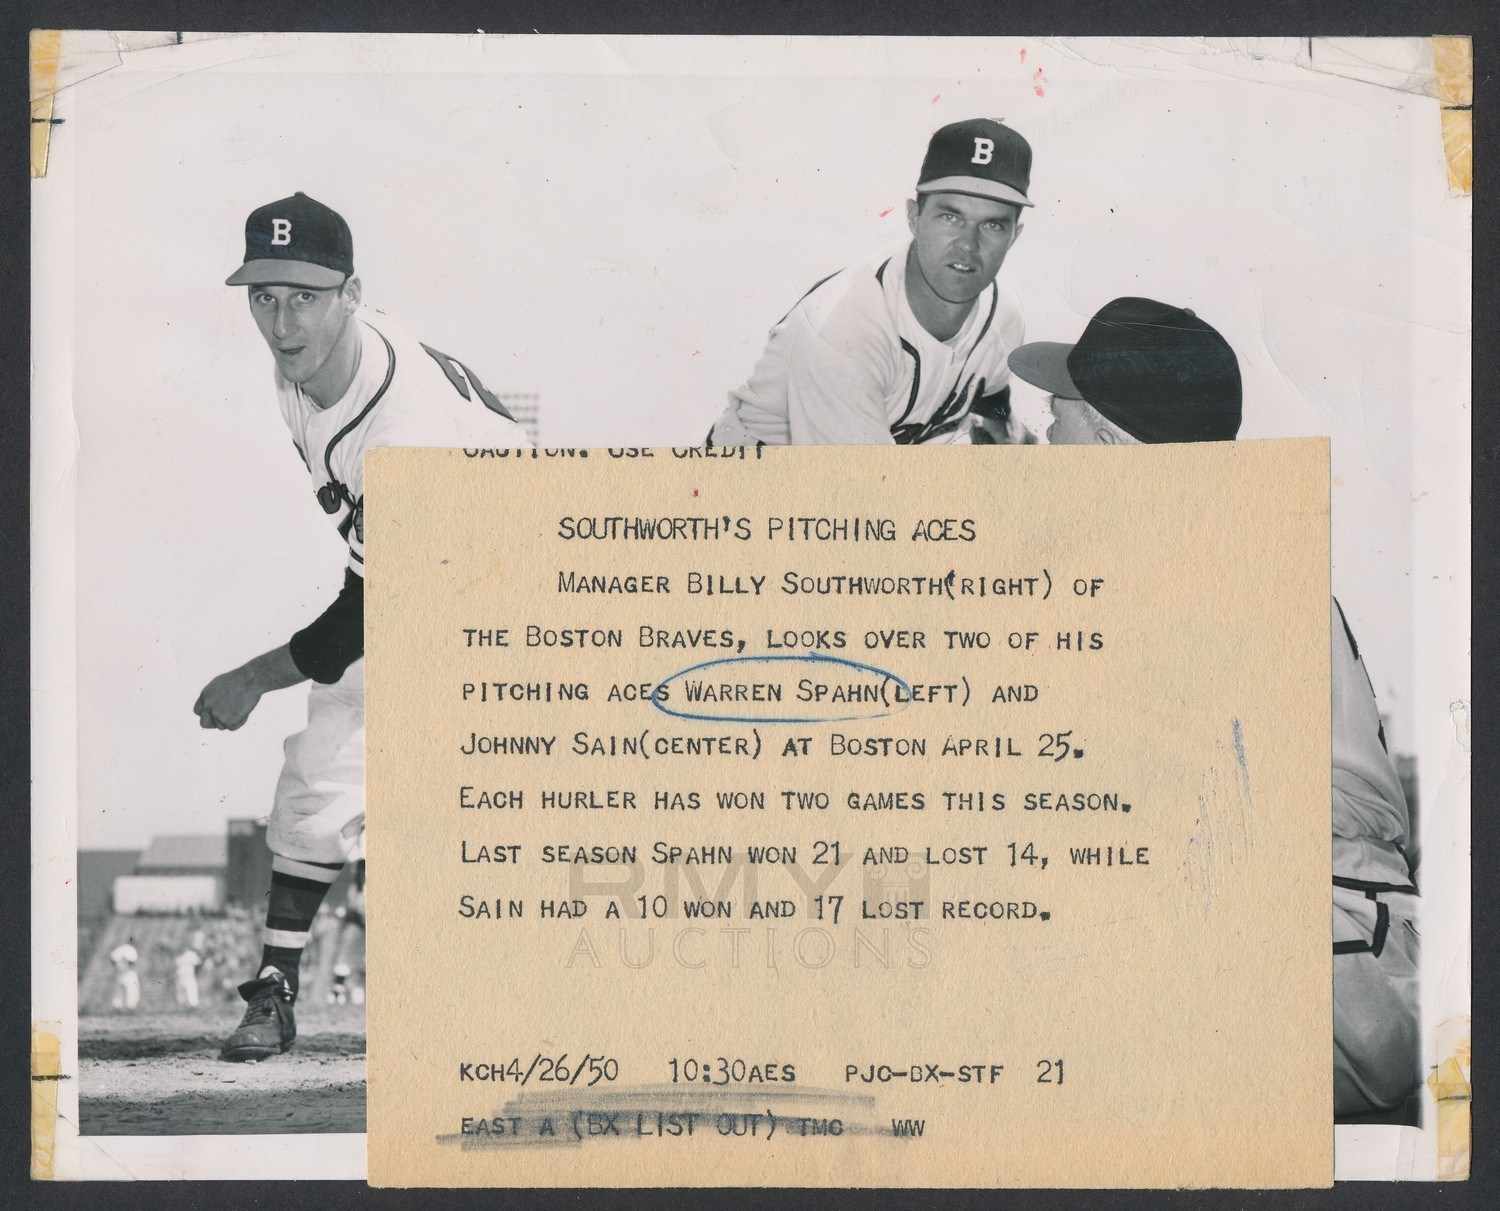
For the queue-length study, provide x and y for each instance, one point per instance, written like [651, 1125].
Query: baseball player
[186, 966]
[127, 989]
[907, 346]
[1146, 372]
[349, 937]
[347, 381]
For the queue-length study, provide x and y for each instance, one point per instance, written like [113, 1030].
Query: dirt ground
[160, 1074]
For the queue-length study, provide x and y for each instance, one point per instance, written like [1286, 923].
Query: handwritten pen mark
[808, 658]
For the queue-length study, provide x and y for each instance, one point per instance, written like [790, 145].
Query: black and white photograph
[259, 256]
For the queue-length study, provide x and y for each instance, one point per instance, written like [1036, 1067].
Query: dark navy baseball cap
[295, 242]
[980, 157]
[1157, 371]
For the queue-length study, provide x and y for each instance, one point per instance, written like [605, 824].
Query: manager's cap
[979, 157]
[295, 242]
[1157, 371]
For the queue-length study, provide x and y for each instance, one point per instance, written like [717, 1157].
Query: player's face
[961, 242]
[1074, 423]
[1070, 422]
[301, 325]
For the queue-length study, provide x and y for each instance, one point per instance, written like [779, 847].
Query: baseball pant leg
[320, 797]
[1375, 1012]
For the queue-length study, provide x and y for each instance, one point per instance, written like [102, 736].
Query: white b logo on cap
[984, 151]
[281, 231]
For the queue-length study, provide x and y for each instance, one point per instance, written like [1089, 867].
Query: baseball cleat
[268, 1027]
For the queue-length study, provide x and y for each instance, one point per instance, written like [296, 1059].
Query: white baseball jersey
[404, 393]
[850, 365]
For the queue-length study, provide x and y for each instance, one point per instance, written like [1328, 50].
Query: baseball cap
[1157, 371]
[295, 242]
[979, 157]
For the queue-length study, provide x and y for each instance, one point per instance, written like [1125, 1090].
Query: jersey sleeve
[835, 396]
[334, 640]
[436, 401]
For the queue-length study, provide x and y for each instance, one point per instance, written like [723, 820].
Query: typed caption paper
[936, 817]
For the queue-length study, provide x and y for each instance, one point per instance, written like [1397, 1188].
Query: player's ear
[350, 293]
[1106, 436]
[913, 205]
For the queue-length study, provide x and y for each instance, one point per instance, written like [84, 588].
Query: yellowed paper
[1452, 1091]
[44, 51]
[1453, 70]
[740, 820]
[46, 1071]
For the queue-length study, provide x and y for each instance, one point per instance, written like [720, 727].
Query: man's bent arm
[321, 651]
[227, 700]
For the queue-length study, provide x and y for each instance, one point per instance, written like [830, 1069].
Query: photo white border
[1441, 593]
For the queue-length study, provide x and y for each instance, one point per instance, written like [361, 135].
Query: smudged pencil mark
[1223, 832]
[1239, 755]
[563, 1120]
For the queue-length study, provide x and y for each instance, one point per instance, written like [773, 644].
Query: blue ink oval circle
[882, 711]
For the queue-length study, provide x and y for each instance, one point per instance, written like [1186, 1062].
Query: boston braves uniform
[903, 349]
[850, 365]
[1157, 373]
[404, 393]
[347, 381]
[1375, 960]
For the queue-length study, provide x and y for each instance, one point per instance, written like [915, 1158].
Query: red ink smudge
[937, 98]
[1037, 81]
[883, 213]
[695, 352]
[1023, 54]
[695, 491]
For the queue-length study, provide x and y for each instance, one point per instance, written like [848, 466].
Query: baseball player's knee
[1375, 1038]
[308, 836]
[1373, 1077]
[319, 805]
